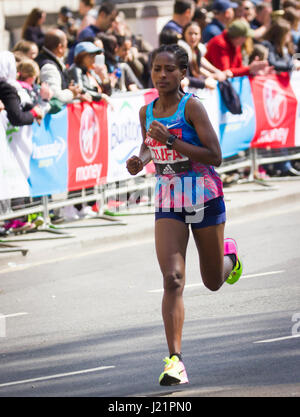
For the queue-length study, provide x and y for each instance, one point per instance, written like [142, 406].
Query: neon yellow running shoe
[174, 372]
[230, 247]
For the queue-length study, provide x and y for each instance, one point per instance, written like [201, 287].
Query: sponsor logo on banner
[124, 134]
[275, 103]
[48, 165]
[275, 107]
[89, 135]
[87, 145]
[50, 152]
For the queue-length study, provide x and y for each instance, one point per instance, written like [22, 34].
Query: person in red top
[224, 51]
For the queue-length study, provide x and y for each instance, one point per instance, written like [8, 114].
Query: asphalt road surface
[90, 324]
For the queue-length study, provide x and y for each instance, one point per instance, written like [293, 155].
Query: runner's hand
[134, 165]
[159, 132]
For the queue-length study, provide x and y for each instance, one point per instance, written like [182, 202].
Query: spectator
[66, 23]
[293, 17]
[291, 3]
[87, 13]
[281, 50]
[258, 17]
[82, 73]
[138, 56]
[259, 52]
[9, 93]
[128, 53]
[121, 75]
[32, 28]
[27, 48]
[53, 70]
[200, 16]
[32, 93]
[224, 51]
[183, 12]
[17, 115]
[105, 18]
[199, 76]
[119, 26]
[223, 15]
[168, 37]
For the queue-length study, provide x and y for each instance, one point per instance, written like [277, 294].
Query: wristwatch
[170, 141]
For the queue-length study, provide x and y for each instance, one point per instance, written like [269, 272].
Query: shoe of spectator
[293, 172]
[39, 221]
[3, 231]
[56, 219]
[70, 213]
[20, 227]
[87, 212]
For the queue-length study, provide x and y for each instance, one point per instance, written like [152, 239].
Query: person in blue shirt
[223, 15]
[106, 16]
[182, 15]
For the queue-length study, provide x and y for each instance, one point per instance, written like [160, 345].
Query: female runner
[183, 145]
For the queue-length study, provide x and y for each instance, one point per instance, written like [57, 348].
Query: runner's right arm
[135, 164]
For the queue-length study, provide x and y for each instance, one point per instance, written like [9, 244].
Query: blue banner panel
[49, 159]
[237, 130]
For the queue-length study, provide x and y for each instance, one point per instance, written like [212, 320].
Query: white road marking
[45, 378]
[108, 248]
[14, 314]
[200, 284]
[277, 339]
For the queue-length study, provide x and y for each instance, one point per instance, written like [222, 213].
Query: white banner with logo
[124, 133]
[295, 84]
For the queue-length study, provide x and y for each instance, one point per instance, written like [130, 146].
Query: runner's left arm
[210, 151]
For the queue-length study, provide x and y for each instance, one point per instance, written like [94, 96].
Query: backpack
[230, 97]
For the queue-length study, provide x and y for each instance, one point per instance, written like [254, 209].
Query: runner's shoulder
[194, 107]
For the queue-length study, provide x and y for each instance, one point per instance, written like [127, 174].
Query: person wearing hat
[82, 73]
[223, 15]
[224, 51]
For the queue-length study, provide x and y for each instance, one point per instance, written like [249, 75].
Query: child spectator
[27, 48]
[259, 52]
[32, 94]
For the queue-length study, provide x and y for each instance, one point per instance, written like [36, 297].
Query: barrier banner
[124, 133]
[13, 180]
[87, 145]
[295, 84]
[237, 130]
[48, 163]
[275, 107]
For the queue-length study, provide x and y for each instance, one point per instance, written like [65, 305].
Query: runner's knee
[173, 281]
[213, 284]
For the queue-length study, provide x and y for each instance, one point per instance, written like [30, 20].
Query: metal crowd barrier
[144, 185]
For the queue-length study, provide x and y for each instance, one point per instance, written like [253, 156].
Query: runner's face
[165, 73]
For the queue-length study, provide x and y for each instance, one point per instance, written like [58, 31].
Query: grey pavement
[242, 201]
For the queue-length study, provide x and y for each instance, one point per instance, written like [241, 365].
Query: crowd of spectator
[92, 53]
